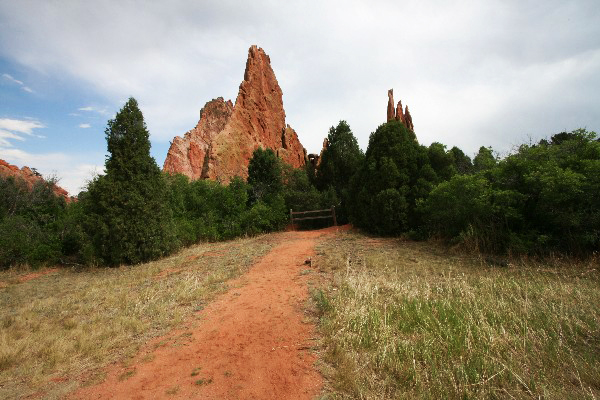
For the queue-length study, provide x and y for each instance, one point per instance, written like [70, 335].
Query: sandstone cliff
[29, 176]
[221, 144]
[397, 114]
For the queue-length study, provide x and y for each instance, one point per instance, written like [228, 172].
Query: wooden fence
[330, 214]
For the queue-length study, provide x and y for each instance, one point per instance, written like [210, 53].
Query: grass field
[402, 319]
[398, 319]
[59, 326]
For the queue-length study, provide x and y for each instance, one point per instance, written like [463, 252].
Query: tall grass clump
[403, 320]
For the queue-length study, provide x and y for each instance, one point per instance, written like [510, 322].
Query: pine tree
[341, 159]
[129, 217]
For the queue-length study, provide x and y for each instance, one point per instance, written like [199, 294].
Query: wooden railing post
[333, 213]
[292, 218]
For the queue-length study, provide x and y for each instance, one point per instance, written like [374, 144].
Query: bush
[300, 195]
[541, 199]
[30, 223]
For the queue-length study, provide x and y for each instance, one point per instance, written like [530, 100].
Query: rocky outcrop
[30, 177]
[391, 114]
[397, 113]
[222, 143]
[315, 159]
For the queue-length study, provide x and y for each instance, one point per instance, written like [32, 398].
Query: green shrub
[541, 199]
[31, 222]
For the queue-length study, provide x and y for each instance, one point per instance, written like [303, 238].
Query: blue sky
[473, 73]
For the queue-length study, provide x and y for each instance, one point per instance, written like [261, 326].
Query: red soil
[253, 342]
[34, 275]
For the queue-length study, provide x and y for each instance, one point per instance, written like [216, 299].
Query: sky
[473, 73]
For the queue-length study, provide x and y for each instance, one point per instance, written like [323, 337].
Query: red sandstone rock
[397, 113]
[315, 159]
[391, 113]
[29, 177]
[408, 120]
[221, 145]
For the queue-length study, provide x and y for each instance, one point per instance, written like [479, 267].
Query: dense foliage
[540, 199]
[126, 210]
[339, 161]
[32, 223]
[395, 175]
[543, 198]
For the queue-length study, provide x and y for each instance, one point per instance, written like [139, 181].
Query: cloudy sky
[473, 73]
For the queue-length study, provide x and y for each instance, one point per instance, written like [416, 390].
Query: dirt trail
[253, 342]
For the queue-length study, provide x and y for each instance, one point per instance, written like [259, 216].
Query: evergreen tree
[441, 161]
[395, 176]
[340, 161]
[264, 175]
[128, 211]
[484, 160]
[462, 162]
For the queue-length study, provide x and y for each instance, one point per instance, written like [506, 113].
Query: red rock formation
[397, 113]
[222, 143]
[391, 114]
[29, 176]
[315, 159]
[188, 154]
[408, 120]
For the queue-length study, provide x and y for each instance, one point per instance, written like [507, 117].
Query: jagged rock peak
[391, 114]
[408, 122]
[221, 144]
[397, 114]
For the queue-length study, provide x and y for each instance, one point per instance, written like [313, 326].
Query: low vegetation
[57, 326]
[404, 319]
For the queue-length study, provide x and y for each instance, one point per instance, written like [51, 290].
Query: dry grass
[58, 326]
[402, 319]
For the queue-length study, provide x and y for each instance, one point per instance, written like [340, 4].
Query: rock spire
[397, 114]
[221, 144]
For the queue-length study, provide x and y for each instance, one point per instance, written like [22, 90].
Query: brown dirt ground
[253, 342]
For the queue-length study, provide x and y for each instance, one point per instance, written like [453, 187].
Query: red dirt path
[253, 342]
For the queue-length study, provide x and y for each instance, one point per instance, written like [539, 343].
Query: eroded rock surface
[397, 113]
[221, 144]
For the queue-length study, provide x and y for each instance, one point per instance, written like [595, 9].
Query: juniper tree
[129, 216]
[340, 160]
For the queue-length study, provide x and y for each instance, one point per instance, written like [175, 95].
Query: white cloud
[18, 82]
[84, 126]
[13, 129]
[472, 73]
[101, 111]
[5, 136]
[10, 135]
[10, 78]
[19, 125]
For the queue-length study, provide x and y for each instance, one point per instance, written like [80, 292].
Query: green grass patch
[402, 319]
